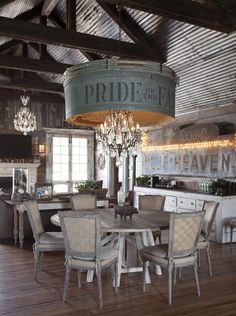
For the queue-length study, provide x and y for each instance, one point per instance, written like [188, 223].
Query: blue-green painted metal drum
[145, 88]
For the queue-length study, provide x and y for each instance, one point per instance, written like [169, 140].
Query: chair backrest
[184, 232]
[83, 201]
[151, 202]
[34, 218]
[210, 208]
[81, 232]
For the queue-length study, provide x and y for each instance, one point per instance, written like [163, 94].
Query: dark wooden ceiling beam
[37, 49]
[30, 14]
[183, 10]
[26, 16]
[32, 65]
[57, 21]
[5, 2]
[49, 6]
[43, 47]
[49, 35]
[128, 25]
[71, 14]
[54, 18]
[32, 85]
[9, 94]
[9, 45]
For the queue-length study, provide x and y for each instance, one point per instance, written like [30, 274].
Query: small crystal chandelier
[118, 136]
[24, 120]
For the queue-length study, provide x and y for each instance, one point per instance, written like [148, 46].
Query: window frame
[88, 134]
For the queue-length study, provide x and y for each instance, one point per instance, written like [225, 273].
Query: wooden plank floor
[21, 296]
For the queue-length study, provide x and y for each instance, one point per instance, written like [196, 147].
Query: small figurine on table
[124, 211]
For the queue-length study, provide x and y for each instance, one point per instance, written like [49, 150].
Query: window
[71, 159]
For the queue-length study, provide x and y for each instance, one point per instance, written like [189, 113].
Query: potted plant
[143, 181]
[91, 186]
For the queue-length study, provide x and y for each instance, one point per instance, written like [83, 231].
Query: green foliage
[87, 184]
[142, 180]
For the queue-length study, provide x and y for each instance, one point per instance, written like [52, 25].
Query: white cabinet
[170, 203]
[178, 201]
[186, 204]
[199, 204]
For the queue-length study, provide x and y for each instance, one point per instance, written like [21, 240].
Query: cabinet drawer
[187, 204]
[170, 202]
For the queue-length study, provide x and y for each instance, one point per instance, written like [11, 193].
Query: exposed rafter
[32, 85]
[48, 35]
[36, 49]
[30, 14]
[34, 65]
[71, 14]
[9, 94]
[59, 23]
[128, 25]
[9, 45]
[183, 10]
[5, 2]
[48, 6]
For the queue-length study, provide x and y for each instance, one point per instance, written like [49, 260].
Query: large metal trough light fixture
[114, 95]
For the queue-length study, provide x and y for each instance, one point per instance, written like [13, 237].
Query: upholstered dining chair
[153, 203]
[86, 201]
[44, 241]
[82, 236]
[184, 230]
[210, 208]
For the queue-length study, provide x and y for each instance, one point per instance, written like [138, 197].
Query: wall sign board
[211, 159]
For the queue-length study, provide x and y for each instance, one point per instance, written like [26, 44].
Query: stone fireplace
[6, 174]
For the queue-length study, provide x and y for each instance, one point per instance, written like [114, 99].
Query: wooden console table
[19, 209]
[54, 204]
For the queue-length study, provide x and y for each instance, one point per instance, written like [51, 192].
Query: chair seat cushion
[51, 240]
[159, 254]
[108, 254]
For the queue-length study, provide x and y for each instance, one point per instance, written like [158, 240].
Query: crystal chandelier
[24, 120]
[118, 135]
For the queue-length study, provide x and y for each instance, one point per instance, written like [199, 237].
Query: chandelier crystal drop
[24, 120]
[118, 135]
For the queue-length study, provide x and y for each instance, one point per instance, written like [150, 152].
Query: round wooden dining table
[140, 225]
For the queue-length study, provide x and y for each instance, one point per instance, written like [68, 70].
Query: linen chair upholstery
[181, 251]
[85, 201]
[82, 236]
[44, 241]
[210, 208]
[153, 203]
[88, 201]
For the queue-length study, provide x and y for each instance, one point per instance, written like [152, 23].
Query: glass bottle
[121, 197]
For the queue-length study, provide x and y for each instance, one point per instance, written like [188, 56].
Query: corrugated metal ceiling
[204, 59]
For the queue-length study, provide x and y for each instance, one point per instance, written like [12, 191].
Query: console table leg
[21, 229]
[15, 228]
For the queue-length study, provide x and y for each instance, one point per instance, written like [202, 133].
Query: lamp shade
[146, 89]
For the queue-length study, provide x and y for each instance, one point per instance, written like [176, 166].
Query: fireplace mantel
[6, 170]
